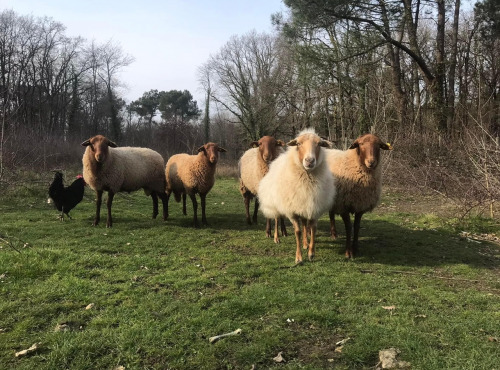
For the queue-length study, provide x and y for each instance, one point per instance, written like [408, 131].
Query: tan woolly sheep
[299, 186]
[191, 174]
[359, 183]
[112, 169]
[252, 167]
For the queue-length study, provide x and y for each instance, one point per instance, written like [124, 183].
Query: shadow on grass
[380, 241]
[389, 244]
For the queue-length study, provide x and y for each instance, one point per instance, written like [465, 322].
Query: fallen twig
[9, 243]
[217, 337]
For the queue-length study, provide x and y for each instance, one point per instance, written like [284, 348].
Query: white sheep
[191, 174]
[252, 167]
[299, 186]
[358, 172]
[112, 169]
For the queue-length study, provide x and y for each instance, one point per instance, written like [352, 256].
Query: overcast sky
[169, 39]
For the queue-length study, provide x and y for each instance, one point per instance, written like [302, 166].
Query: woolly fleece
[125, 169]
[289, 190]
[358, 189]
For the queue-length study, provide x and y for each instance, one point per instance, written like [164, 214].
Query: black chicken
[66, 198]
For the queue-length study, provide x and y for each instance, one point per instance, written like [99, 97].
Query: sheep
[299, 186]
[191, 174]
[252, 167]
[109, 168]
[359, 184]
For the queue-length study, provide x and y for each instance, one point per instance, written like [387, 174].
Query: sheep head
[268, 147]
[308, 146]
[211, 151]
[99, 147]
[368, 148]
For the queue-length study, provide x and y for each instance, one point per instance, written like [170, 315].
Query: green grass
[161, 289]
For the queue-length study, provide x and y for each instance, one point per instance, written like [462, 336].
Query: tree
[112, 60]
[178, 106]
[245, 78]
[147, 105]
[381, 18]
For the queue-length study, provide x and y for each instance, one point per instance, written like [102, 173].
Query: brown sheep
[190, 174]
[252, 167]
[359, 184]
[112, 169]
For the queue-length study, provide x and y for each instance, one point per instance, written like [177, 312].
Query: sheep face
[211, 151]
[368, 148]
[308, 147]
[99, 147]
[267, 147]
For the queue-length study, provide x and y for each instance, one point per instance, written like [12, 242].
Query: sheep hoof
[277, 240]
[298, 263]
[311, 257]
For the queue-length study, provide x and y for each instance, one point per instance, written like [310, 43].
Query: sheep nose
[98, 157]
[309, 162]
[267, 157]
[371, 163]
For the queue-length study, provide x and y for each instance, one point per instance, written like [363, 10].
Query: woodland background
[423, 75]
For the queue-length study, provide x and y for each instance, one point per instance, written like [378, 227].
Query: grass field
[160, 289]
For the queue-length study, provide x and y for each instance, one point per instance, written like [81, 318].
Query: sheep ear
[292, 143]
[86, 143]
[354, 145]
[201, 148]
[325, 144]
[254, 144]
[386, 146]
[222, 150]
[280, 143]
[112, 144]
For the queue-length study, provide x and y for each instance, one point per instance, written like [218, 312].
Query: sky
[169, 39]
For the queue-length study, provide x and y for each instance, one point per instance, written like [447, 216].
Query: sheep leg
[109, 202]
[98, 203]
[347, 223]
[255, 210]
[357, 224]
[333, 230]
[195, 209]
[184, 212]
[155, 203]
[283, 227]
[305, 228]
[276, 235]
[247, 208]
[298, 251]
[203, 204]
[164, 202]
[312, 244]
[268, 227]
